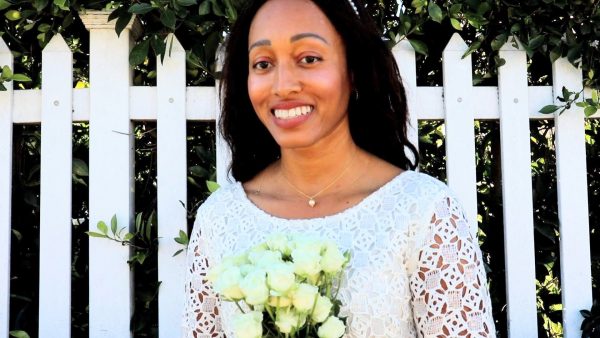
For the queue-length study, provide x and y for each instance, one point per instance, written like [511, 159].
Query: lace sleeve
[449, 290]
[201, 317]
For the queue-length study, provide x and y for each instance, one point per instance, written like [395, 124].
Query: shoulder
[218, 202]
[423, 186]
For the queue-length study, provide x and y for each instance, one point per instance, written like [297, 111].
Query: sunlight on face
[298, 81]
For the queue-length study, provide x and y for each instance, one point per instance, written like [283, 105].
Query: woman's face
[298, 81]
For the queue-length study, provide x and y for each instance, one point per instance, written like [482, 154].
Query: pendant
[312, 203]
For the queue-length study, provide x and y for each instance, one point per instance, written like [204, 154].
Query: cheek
[257, 90]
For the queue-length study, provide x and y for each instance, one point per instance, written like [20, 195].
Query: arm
[449, 290]
[201, 317]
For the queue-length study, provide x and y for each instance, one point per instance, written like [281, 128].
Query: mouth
[286, 114]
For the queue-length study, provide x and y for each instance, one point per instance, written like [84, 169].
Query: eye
[310, 59]
[261, 65]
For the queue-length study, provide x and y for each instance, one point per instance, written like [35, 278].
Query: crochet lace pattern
[415, 271]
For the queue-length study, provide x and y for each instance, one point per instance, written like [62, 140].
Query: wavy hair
[378, 114]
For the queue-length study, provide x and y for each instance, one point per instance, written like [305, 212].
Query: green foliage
[18, 334]
[548, 29]
[590, 327]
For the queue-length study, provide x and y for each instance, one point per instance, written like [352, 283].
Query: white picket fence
[112, 103]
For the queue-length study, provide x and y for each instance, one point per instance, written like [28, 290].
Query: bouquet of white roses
[285, 287]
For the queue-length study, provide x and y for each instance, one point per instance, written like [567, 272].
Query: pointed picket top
[509, 45]
[403, 45]
[173, 44]
[3, 47]
[57, 44]
[456, 44]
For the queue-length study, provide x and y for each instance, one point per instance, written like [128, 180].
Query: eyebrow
[294, 38]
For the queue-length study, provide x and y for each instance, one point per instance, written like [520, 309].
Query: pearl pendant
[312, 203]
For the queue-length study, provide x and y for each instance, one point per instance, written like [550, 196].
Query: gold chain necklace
[311, 198]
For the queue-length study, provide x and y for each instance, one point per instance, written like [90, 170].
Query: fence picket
[171, 189]
[575, 263]
[6, 137]
[460, 131]
[404, 54]
[111, 175]
[55, 190]
[517, 193]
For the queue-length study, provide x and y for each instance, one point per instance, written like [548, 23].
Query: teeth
[294, 112]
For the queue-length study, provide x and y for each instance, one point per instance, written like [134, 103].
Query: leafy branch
[590, 105]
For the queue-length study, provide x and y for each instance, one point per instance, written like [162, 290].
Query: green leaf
[122, 22]
[473, 47]
[80, 168]
[216, 7]
[549, 109]
[435, 12]
[204, 8]
[13, 15]
[566, 93]
[21, 78]
[455, 9]
[140, 8]
[183, 238]
[138, 222]
[4, 5]
[60, 3]
[102, 227]
[6, 73]
[39, 5]
[167, 17]
[19, 334]
[536, 42]
[178, 252]
[113, 224]
[595, 95]
[17, 234]
[590, 110]
[2, 87]
[419, 46]
[128, 236]
[456, 24]
[499, 41]
[212, 186]
[149, 229]
[139, 53]
[44, 27]
[186, 3]
[96, 234]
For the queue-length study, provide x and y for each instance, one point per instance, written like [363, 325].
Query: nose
[286, 81]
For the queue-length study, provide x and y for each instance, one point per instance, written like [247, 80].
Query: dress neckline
[243, 198]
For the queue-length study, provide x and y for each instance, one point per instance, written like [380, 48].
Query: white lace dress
[415, 269]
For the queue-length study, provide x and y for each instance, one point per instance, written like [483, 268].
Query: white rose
[227, 284]
[306, 262]
[265, 258]
[280, 277]
[322, 309]
[248, 325]
[254, 287]
[279, 301]
[307, 243]
[332, 260]
[279, 242]
[332, 328]
[288, 320]
[304, 297]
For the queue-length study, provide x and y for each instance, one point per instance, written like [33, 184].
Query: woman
[315, 115]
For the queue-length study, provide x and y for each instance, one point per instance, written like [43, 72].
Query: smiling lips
[286, 114]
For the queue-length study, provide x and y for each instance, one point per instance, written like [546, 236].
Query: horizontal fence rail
[111, 104]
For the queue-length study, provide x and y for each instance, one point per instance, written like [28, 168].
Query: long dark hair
[378, 114]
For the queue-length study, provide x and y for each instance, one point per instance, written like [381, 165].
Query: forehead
[290, 17]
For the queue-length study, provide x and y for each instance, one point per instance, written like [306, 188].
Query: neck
[310, 169]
